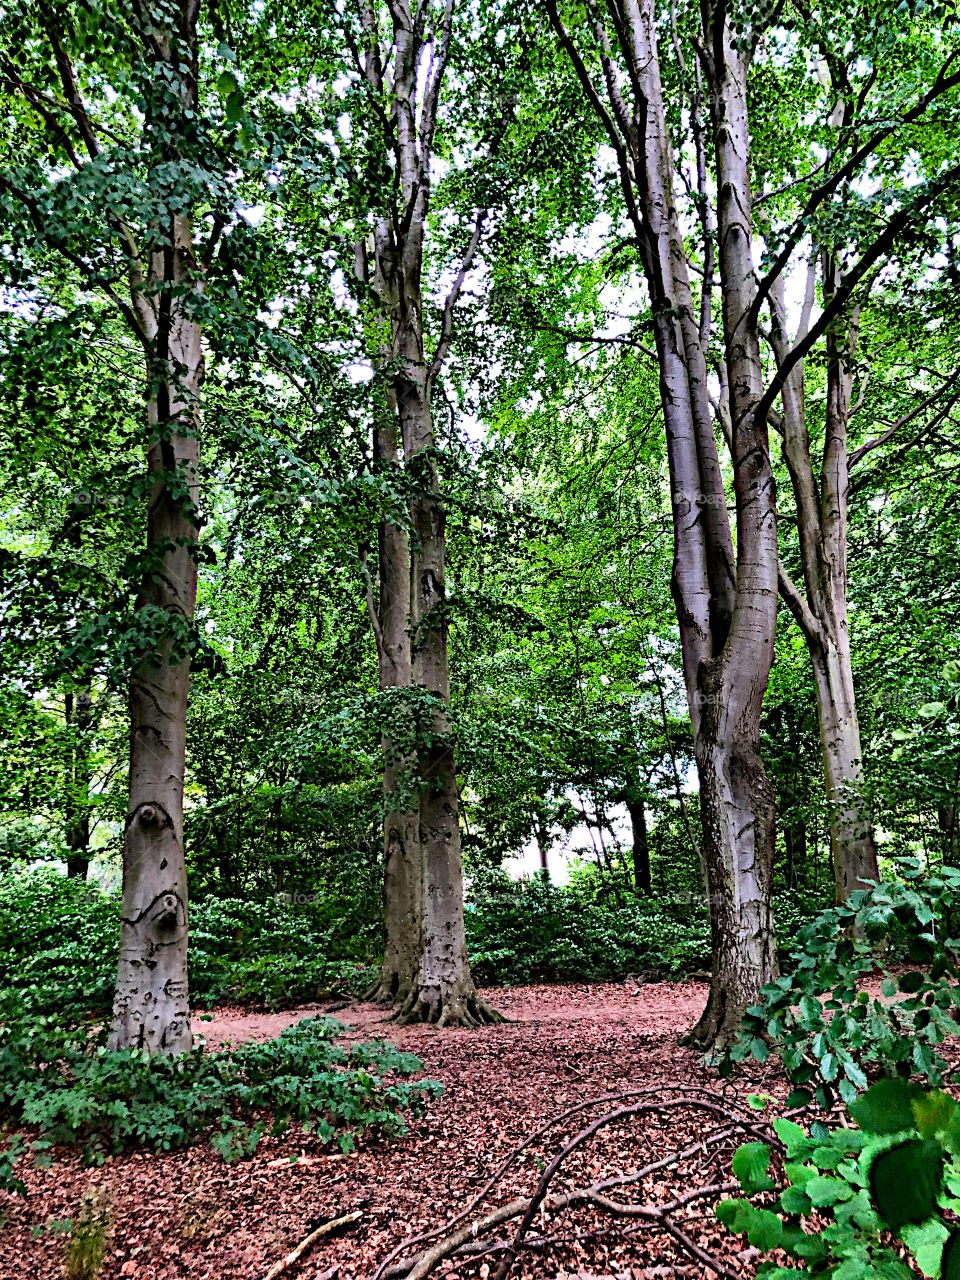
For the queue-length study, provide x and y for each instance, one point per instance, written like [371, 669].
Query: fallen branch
[466, 1236]
[307, 1242]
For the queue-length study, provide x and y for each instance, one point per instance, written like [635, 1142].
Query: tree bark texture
[151, 1007]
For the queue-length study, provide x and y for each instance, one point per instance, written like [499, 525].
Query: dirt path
[189, 1216]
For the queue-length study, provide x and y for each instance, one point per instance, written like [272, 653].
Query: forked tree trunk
[736, 796]
[424, 879]
[726, 619]
[151, 1008]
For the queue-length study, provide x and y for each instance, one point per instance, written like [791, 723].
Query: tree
[425, 962]
[726, 603]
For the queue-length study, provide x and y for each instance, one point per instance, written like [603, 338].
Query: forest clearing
[479, 639]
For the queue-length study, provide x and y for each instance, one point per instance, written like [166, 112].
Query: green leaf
[933, 1112]
[824, 1192]
[751, 1162]
[226, 84]
[911, 981]
[926, 1243]
[886, 1107]
[795, 1200]
[790, 1134]
[950, 1258]
[906, 1180]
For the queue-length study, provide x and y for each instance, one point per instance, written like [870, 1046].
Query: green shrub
[849, 1195]
[59, 941]
[74, 1090]
[830, 1033]
[534, 931]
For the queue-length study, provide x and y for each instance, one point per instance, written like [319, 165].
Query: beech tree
[726, 600]
[727, 603]
[403, 55]
[127, 132]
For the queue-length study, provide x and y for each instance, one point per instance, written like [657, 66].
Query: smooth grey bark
[423, 874]
[726, 603]
[737, 804]
[821, 612]
[402, 863]
[151, 1007]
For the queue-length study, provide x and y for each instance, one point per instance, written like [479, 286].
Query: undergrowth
[69, 1090]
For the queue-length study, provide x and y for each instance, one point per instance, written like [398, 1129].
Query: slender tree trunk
[641, 845]
[823, 615]
[80, 716]
[726, 625]
[151, 1008]
[853, 852]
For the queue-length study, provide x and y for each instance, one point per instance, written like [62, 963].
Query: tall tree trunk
[80, 717]
[822, 613]
[151, 1008]
[737, 803]
[424, 879]
[726, 625]
[445, 993]
[726, 619]
[402, 861]
[641, 844]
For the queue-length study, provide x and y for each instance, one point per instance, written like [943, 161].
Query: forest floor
[189, 1216]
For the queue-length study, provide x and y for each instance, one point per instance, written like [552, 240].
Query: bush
[535, 931]
[850, 1192]
[59, 941]
[76, 1091]
[830, 1033]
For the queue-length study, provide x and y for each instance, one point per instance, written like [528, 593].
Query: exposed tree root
[390, 988]
[470, 1235]
[717, 1028]
[454, 1008]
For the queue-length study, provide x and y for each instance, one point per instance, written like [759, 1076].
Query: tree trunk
[736, 796]
[80, 715]
[423, 876]
[641, 845]
[444, 993]
[151, 1008]
[402, 865]
[822, 616]
[852, 846]
[726, 618]
[795, 842]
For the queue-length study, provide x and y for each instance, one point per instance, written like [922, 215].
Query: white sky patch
[253, 214]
